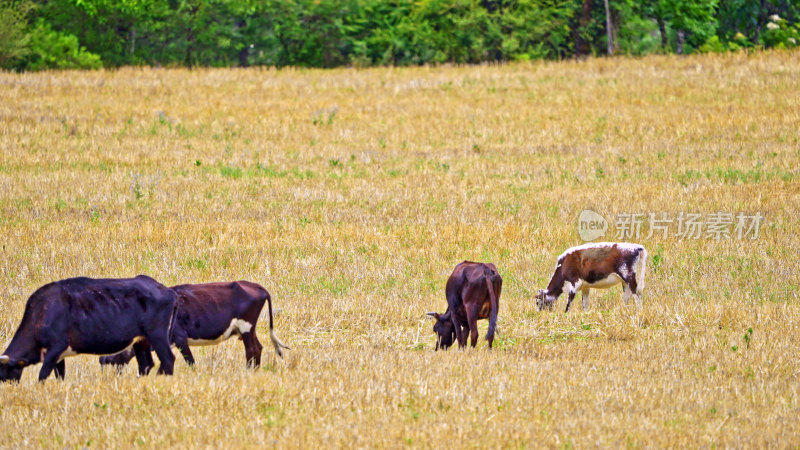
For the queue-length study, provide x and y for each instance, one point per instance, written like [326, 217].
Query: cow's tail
[640, 271]
[493, 298]
[279, 346]
[173, 318]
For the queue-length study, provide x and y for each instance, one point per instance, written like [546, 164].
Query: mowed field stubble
[351, 195]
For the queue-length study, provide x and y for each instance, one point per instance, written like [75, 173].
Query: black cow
[95, 316]
[211, 313]
[473, 292]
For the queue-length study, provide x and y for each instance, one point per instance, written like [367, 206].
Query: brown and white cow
[210, 313]
[95, 316]
[599, 265]
[473, 292]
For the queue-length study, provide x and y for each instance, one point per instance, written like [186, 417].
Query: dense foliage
[37, 34]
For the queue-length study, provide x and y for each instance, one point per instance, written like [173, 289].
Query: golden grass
[351, 194]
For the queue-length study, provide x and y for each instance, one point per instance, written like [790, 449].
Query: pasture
[351, 195]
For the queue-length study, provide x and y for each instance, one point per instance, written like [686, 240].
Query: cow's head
[544, 301]
[11, 370]
[444, 329]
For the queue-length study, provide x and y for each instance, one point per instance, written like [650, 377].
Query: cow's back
[474, 274]
[229, 297]
[206, 311]
[470, 276]
[458, 279]
[48, 298]
[104, 315]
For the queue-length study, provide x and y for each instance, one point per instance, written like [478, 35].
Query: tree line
[42, 34]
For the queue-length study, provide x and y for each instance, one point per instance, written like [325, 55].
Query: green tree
[749, 18]
[52, 49]
[330, 33]
[692, 20]
[14, 40]
[686, 23]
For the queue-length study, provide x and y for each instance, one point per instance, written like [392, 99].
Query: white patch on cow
[584, 247]
[244, 326]
[624, 247]
[237, 326]
[611, 280]
[134, 341]
[68, 352]
[565, 288]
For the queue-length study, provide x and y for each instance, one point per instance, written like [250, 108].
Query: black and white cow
[210, 313]
[598, 265]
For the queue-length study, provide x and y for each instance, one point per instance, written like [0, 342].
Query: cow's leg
[161, 345]
[453, 302]
[60, 370]
[159, 334]
[252, 349]
[181, 341]
[165, 357]
[626, 295]
[585, 298]
[570, 298]
[632, 288]
[51, 360]
[144, 357]
[461, 333]
[472, 320]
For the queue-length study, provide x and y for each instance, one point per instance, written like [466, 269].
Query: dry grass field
[351, 195]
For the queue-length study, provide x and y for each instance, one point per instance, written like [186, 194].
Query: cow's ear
[433, 315]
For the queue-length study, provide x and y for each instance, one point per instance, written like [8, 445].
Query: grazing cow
[473, 292]
[95, 316]
[208, 314]
[596, 265]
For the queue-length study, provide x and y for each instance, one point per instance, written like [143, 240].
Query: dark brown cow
[208, 314]
[598, 265]
[95, 316]
[473, 292]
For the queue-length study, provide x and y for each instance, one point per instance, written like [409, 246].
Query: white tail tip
[277, 343]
